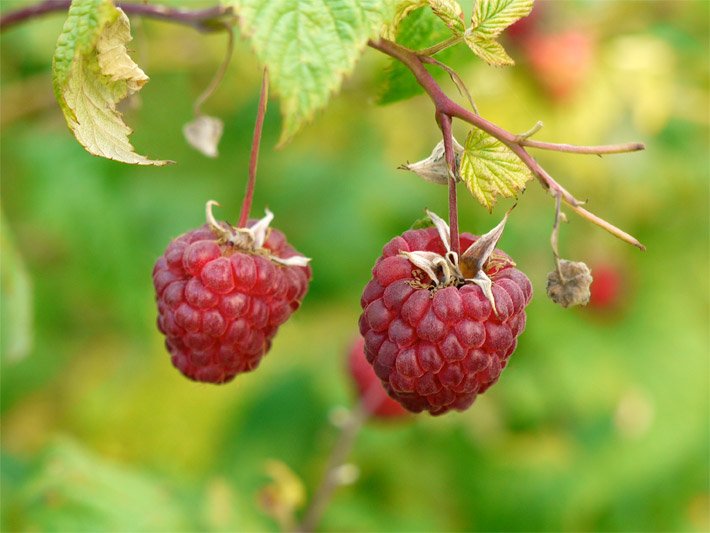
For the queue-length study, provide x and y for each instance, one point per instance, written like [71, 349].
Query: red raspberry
[368, 385]
[220, 303]
[437, 348]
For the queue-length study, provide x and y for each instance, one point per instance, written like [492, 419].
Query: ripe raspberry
[368, 385]
[222, 293]
[437, 343]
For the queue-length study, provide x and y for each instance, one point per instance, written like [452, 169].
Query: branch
[445, 106]
[205, 20]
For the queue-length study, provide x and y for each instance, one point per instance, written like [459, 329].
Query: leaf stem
[440, 47]
[445, 106]
[254, 157]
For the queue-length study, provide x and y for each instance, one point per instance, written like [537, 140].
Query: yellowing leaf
[491, 17]
[309, 46]
[401, 12]
[492, 52]
[490, 169]
[92, 72]
[450, 12]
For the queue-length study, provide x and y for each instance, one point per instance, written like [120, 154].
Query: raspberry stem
[444, 106]
[254, 157]
[445, 125]
[356, 419]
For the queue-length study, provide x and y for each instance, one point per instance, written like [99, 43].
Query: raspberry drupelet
[437, 339]
[223, 292]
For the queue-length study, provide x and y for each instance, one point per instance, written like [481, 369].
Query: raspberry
[222, 293]
[368, 385]
[437, 343]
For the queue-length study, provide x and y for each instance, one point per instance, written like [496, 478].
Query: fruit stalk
[445, 125]
[254, 157]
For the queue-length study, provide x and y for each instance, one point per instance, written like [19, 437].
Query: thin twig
[205, 20]
[254, 157]
[575, 149]
[444, 105]
[219, 75]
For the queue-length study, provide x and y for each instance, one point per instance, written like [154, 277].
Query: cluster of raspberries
[434, 338]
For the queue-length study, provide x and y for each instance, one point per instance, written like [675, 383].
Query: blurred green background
[600, 422]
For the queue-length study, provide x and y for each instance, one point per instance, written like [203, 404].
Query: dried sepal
[474, 258]
[568, 284]
[251, 239]
[434, 168]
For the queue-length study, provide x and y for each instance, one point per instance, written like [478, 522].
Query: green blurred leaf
[491, 17]
[309, 47]
[75, 490]
[490, 169]
[419, 30]
[92, 72]
[16, 303]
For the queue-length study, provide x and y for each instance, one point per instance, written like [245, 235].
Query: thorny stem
[254, 157]
[206, 20]
[445, 106]
[219, 75]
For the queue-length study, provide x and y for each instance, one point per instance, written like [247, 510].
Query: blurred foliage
[601, 421]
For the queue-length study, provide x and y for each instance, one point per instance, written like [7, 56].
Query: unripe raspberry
[437, 345]
[222, 293]
[369, 387]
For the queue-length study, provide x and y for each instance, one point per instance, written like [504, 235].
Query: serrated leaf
[309, 46]
[491, 17]
[16, 303]
[402, 11]
[451, 13]
[490, 169]
[492, 52]
[92, 72]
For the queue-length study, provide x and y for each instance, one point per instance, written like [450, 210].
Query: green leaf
[451, 13]
[419, 30]
[92, 72]
[16, 303]
[90, 493]
[492, 52]
[309, 46]
[491, 17]
[490, 169]
[402, 11]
